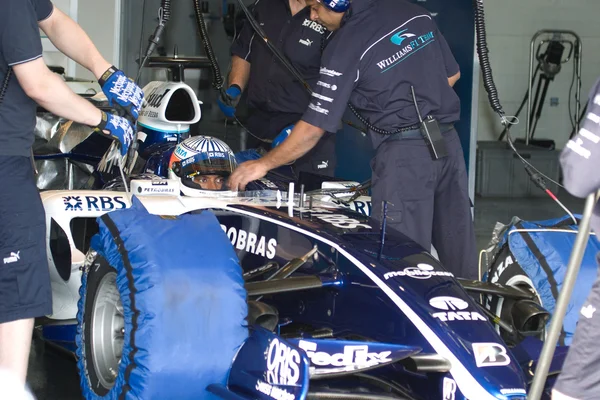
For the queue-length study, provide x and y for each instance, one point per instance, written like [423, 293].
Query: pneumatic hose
[217, 77]
[484, 59]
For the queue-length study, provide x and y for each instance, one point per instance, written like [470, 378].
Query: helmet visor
[207, 171]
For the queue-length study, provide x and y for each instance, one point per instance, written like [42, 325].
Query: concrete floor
[53, 376]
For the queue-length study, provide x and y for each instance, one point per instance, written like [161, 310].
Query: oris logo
[283, 364]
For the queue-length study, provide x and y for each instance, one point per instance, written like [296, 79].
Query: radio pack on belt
[430, 130]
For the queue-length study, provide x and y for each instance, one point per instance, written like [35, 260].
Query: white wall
[511, 25]
[102, 24]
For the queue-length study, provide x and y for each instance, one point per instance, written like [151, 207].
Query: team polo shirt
[272, 88]
[20, 42]
[382, 49]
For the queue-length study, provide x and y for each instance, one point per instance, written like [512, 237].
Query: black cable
[141, 49]
[217, 77]
[4, 87]
[164, 14]
[490, 86]
[501, 137]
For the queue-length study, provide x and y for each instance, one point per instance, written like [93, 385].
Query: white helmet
[203, 165]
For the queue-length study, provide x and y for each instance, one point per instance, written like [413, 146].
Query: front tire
[101, 328]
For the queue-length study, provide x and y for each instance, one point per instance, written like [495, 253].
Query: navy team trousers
[429, 199]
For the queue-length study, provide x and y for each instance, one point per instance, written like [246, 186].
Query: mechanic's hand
[229, 100]
[247, 172]
[122, 90]
[119, 128]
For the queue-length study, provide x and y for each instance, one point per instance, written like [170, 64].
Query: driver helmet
[338, 6]
[203, 165]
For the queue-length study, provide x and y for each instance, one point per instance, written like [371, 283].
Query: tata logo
[399, 37]
[455, 309]
[490, 355]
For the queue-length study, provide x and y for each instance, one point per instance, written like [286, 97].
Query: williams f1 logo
[400, 37]
[490, 355]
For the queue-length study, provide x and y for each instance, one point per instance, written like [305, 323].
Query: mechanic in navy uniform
[25, 80]
[276, 100]
[580, 162]
[380, 48]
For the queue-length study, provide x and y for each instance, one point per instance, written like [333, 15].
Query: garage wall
[102, 24]
[511, 25]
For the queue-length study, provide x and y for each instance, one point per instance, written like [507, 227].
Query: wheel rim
[524, 283]
[107, 330]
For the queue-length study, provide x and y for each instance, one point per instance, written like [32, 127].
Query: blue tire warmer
[184, 303]
[544, 256]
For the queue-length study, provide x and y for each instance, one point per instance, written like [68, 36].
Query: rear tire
[506, 271]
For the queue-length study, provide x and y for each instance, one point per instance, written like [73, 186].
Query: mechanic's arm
[580, 159]
[240, 72]
[71, 40]
[453, 79]
[303, 138]
[51, 92]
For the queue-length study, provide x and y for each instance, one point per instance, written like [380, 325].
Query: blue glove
[119, 128]
[121, 90]
[229, 99]
[282, 136]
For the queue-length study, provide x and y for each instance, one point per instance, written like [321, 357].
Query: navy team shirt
[382, 48]
[272, 88]
[580, 159]
[20, 42]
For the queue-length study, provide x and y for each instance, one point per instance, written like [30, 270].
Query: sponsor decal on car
[490, 355]
[250, 242]
[514, 391]
[501, 268]
[449, 390]
[455, 309]
[421, 271]
[337, 220]
[358, 356]
[94, 203]
[274, 392]
[283, 364]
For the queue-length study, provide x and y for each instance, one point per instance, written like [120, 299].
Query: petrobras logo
[454, 309]
[329, 72]
[250, 242]
[283, 364]
[400, 37]
[353, 356]
[490, 355]
[421, 271]
[274, 392]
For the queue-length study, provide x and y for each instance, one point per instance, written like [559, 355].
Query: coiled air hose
[490, 87]
[484, 59]
[5, 84]
[164, 14]
[217, 77]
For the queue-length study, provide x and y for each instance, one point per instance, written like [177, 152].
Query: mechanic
[25, 80]
[380, 48]
[579, 378]
[275, 99]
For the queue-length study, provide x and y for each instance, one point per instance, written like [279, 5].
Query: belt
[414, 132]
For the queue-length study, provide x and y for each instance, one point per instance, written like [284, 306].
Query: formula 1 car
[338, 305]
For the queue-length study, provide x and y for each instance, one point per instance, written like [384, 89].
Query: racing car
[337, 305]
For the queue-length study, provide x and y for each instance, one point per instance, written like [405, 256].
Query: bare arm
[71, 40]
[240, 72]
[453, 79]
[49, 91]
[304, 137]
